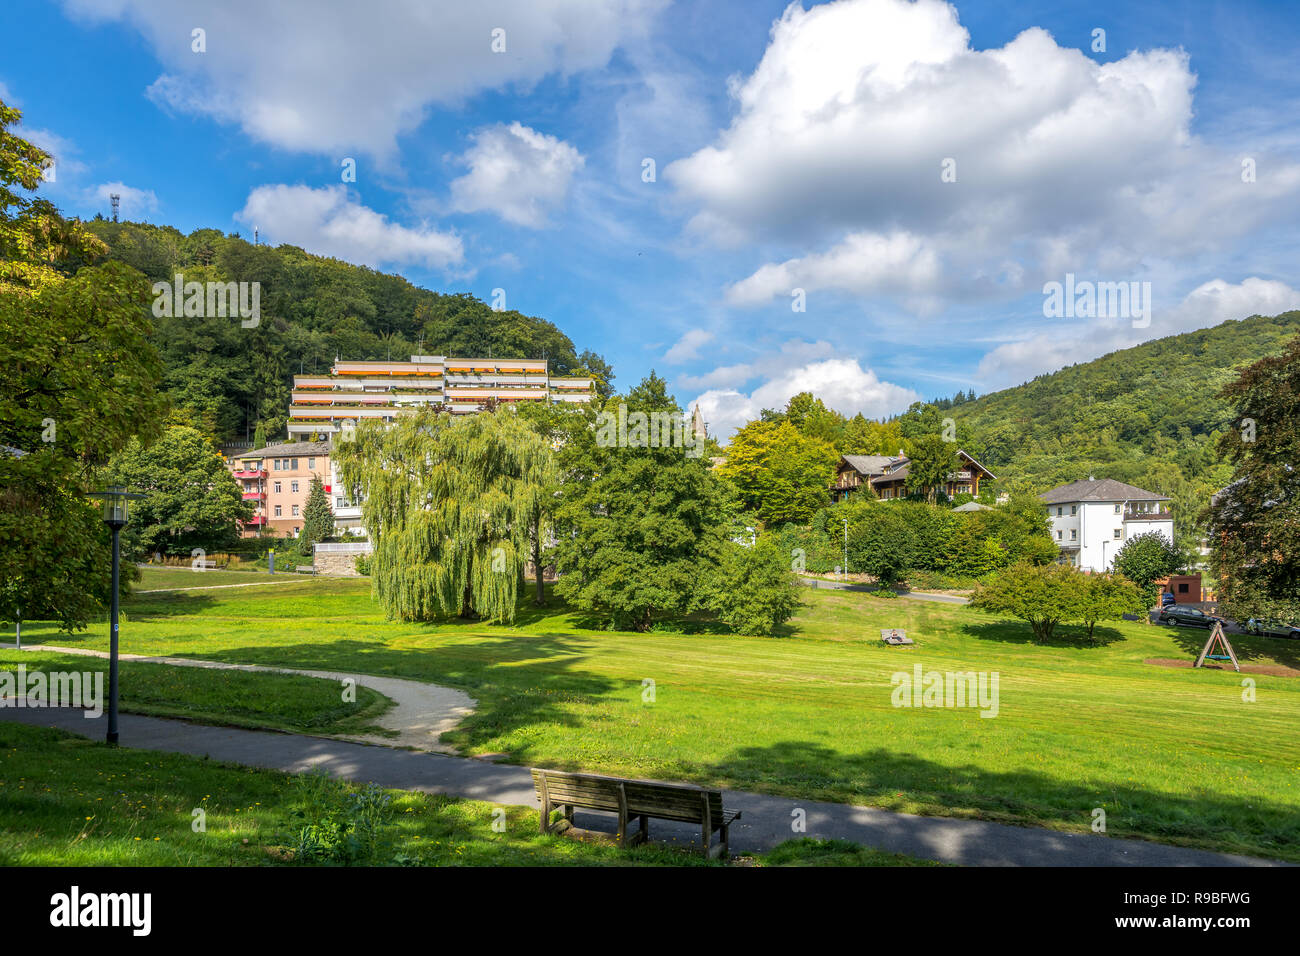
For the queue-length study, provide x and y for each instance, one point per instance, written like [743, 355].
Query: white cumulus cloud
[515, 172]
[841, 136]
[330, 222]
[330, 75]
[842, 383]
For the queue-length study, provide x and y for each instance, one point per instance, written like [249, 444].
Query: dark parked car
[1167, 598]
[1272, 628]
[1187, 617]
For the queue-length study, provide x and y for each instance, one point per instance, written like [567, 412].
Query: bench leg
[568, 812]
[725, 846]
[546, 815]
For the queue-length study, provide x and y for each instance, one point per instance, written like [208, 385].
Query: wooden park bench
[205, 564]
[635, 798]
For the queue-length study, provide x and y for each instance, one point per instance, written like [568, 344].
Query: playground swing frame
[1217, 636]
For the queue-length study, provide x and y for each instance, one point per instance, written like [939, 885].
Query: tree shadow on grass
[519, 680]
[1008, 632]
[1248, 647]
[146, 607]
[1254, 826]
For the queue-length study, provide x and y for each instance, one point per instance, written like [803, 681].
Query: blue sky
[795, 147]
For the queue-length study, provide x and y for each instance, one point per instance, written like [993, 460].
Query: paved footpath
[766, 821]
[420, 715]
[815, 583]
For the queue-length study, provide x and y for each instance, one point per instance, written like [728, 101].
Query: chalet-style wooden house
[887, 475]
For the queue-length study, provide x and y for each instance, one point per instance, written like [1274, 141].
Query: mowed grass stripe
[1173, 754]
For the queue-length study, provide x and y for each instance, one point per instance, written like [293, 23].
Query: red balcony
[256, 520]
[251, 474]
[254, 495]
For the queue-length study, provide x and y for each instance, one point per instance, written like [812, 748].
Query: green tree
[78, 376]
[930, 461]
[1255, 521]
[640, 527]
[779, 472]
[882, 542]
[1106, 597]
[190, 499]
[1145, 559]
[1040, 595]
[752, 589]
[317, 518]
[447, 505]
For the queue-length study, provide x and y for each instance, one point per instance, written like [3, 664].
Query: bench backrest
[666, 801]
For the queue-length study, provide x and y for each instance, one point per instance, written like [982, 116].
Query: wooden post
[622, 816]
[546, 804]
[706, 834]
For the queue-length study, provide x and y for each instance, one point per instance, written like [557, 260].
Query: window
[295, 511]
[295, 464]
[277, 511]
[1074, 510]
[277, 487]
[1059, 512]
[311, 464]
[1074, 534]
[1119, 533]
[293, 486]
[338, 502]
[1118, 509]
[1058, 536]
[1182, 587]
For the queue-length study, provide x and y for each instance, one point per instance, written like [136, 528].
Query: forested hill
[312, 309]
[1148, 415]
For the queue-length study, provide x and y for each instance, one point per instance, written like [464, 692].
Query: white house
[1092, 519]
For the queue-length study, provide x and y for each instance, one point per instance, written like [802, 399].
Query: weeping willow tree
[448, 504]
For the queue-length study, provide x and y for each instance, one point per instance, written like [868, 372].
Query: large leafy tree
[881, 541]
[190, 499]
[640, 527]
[1043, 596]
[78, 378]
[931, 461]
[1255, 521]
[779, 472]
[1105, 597]
[752, 590]
[1145, 559]
[447, 504]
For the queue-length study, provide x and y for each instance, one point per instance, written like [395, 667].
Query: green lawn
[168, 577]
[307, 705]
[69, 801]
[1171, 754]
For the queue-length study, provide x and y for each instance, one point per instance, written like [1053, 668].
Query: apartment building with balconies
[1091, 519]
[356, 391]
[277, 480]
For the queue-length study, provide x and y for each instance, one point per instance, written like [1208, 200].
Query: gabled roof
[900, 469]
[869, 464]
[972, 506]
[1098, 489]
[287, 450]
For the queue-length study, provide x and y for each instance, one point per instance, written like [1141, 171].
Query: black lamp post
[115, 514]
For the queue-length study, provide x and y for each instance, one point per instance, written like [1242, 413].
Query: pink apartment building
[276, 480]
